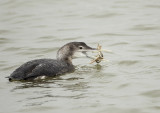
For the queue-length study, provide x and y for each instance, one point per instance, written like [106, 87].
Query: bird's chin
[79, 54]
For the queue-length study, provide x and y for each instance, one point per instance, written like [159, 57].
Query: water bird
[52, 67]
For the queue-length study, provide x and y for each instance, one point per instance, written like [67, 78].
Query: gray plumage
[51, 67]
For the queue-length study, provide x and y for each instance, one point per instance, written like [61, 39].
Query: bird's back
[41, 67]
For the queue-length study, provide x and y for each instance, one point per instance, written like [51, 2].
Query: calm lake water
[129, 83]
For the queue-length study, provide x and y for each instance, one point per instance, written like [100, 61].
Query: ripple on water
[152, 6]
[152, 93]
[11, 49]
[4, 31]
[111, 34]
[145, 27]
[128, 62]
[54, 39]
[119, 44]
[7, 68]
[30, 51]
[123, 86]
[107, 15]
[3, 40]
[3, 63]
[46, 38]
[69, 29]
[152, 46]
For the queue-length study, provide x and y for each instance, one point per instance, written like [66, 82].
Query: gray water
[129, 83]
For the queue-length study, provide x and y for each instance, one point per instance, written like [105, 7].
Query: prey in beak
[82, 50]
[99, 56]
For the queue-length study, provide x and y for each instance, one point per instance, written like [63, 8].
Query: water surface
[129, 83]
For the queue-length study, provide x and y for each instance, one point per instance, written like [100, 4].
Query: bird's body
[51, 67]
[41, 67]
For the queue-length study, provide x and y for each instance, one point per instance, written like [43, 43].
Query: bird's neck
[65, 56]
[68, 60]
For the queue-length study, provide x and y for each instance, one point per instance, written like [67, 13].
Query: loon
[52, 67]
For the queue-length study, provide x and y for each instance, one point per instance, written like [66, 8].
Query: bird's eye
[80, 47]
